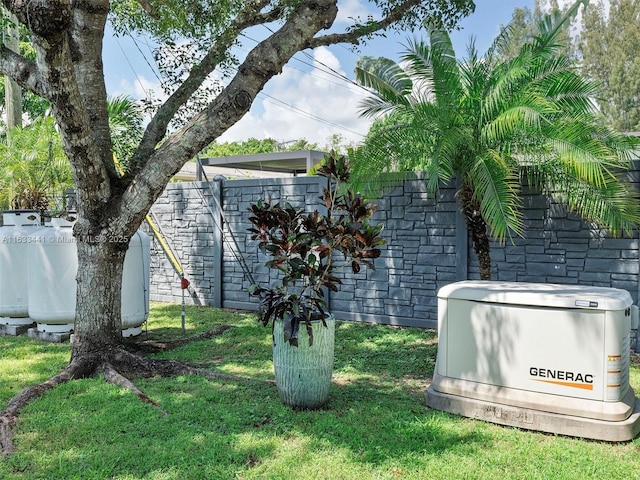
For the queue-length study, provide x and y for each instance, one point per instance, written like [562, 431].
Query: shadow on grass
[165, 320]
[374, 365]
[377, 407]
[376, 413]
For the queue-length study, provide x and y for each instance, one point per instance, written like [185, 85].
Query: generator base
[561, 424]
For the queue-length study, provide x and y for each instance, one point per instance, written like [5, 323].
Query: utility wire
[135, 74]
[282, 104]
[307, 114]
[152, 68]
[344, 80]
[329, 69]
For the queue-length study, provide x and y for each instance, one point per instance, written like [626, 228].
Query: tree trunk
[98, 301]
[470, 208]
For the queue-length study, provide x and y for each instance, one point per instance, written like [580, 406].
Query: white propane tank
[52, 280]
[17, 226]
[135, 284]
[53, 264]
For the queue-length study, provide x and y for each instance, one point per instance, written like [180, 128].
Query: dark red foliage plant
[309, 247]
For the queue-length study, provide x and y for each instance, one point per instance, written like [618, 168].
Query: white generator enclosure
[546, 357]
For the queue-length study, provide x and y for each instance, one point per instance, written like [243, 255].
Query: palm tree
[125, 124]
[491, 123]
[33, 167]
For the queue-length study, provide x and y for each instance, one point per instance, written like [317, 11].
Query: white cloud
[138, 87]
[316, 94]
[350, 9]
[311, 105]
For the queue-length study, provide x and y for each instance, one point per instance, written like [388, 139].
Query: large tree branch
[42, 17]
[261, 64]
[354, 36]
[147, 7]
[22, 70]
[444, 12]
[86, 33]
[157, 127]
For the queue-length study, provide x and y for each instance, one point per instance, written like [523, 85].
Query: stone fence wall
[426, 247]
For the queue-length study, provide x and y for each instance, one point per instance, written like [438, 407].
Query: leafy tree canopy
[610, 47]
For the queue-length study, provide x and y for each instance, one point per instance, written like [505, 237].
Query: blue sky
[309, 99]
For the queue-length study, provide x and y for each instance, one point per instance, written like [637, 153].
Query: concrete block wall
[560, 247]
[419, 256]
[426, 247]
[183, 216]
[300, 192]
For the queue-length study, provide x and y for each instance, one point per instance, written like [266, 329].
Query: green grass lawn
[375, 426]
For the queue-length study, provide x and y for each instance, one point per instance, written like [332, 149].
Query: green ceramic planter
[303, 373]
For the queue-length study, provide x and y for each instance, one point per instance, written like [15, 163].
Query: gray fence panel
[426, 248]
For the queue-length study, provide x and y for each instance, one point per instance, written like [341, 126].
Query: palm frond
[552, 24]
[391, 86]
[497, 189]
[611, 205]
[500, 44]
[33, 163]
[447, 87]
[417, 58]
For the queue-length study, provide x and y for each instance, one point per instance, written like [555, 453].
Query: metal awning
[293, 163]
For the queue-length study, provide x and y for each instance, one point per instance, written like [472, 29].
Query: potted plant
[308, 248]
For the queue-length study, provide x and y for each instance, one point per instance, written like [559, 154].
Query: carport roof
[294, 163]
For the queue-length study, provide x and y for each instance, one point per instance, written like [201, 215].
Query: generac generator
[546, 357]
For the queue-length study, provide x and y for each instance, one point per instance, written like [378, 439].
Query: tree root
[113, 376]
[116, 366]
[152, 346]
[9, 416]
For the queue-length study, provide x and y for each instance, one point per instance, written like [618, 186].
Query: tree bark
[470, 207]
[98, 322]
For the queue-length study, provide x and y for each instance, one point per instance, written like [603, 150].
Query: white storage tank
[53, 264]
[545, 357]
[135, 284]
[14, 233]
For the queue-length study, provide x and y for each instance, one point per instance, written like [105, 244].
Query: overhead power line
[135, 74]
[307, 114]
[343, 81]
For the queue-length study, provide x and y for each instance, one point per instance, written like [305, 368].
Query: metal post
[184, 284]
